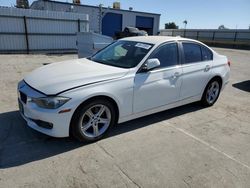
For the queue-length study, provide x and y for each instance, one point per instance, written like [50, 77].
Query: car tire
[211, 93]
[92, 120]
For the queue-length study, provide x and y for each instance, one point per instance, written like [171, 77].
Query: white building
[105, 20]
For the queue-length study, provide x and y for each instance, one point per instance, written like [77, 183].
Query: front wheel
[211, 93]
[93, 120]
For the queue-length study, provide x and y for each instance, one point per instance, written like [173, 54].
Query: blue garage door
[111, 23]
[145, 23]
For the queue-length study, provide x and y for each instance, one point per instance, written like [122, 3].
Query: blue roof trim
[59, 2]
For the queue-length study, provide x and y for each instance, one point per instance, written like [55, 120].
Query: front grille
[23, 97]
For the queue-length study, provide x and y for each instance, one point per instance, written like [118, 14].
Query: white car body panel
[161, 84]
[221, 69]
[191, 86]
[136, 94]
[70, 74]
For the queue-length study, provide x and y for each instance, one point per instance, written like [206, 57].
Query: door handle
[207, 68]
[176, 75]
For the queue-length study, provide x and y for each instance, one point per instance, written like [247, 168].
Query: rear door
[196, 68]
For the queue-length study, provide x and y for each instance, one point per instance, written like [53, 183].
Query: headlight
[50, 102]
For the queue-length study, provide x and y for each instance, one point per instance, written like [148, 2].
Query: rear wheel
[93, 120]
[211, 93]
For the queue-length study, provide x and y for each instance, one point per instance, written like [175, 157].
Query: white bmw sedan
[130, 78]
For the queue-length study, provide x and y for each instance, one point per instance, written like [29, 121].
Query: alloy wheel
[95, 121]
[213, 92]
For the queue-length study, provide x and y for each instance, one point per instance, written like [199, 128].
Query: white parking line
[210, 146]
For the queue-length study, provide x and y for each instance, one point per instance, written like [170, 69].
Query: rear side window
[207, 55]
[167, 55]
[192, 52]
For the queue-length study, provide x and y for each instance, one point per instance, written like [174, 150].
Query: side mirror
[150, 64]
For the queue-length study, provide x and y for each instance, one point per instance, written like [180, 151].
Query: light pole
[185, 24]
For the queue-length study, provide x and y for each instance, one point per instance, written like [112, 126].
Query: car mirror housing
[151, 64]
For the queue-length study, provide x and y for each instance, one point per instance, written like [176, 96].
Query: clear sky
[200, 14]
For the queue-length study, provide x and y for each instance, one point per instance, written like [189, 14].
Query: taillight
[229, 63]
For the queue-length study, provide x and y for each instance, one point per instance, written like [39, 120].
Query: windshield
[125, 54]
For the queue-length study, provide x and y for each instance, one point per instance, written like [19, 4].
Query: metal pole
[79, 25]
[213, 38]
[26, 34]
[213, 35]
[235, 36]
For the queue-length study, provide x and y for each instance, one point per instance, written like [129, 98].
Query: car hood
[58, 77]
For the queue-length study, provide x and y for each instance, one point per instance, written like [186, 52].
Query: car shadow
[20, 144]
[245, 85]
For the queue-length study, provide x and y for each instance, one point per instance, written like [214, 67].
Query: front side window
[125, 54]
[192, 52]
[167, 55]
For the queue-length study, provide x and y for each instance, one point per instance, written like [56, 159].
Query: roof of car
[155, 39]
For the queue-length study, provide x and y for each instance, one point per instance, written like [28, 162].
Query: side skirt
[160, 109]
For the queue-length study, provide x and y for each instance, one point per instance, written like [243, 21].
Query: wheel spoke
[209, 98]
[103, 120]
[101, 110]
[86, 126]
[212, 96]
[89, 113]
[213, 86]
[95, 130]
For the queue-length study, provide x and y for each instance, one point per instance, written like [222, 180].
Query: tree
[185, 23]
[78, 2]
[22, 4]
[171, 25]
[222, 27]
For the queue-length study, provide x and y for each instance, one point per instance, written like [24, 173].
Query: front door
[160, 86]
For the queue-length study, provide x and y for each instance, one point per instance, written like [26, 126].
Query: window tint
[167, 55]
[206, 54]
[192, 52]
